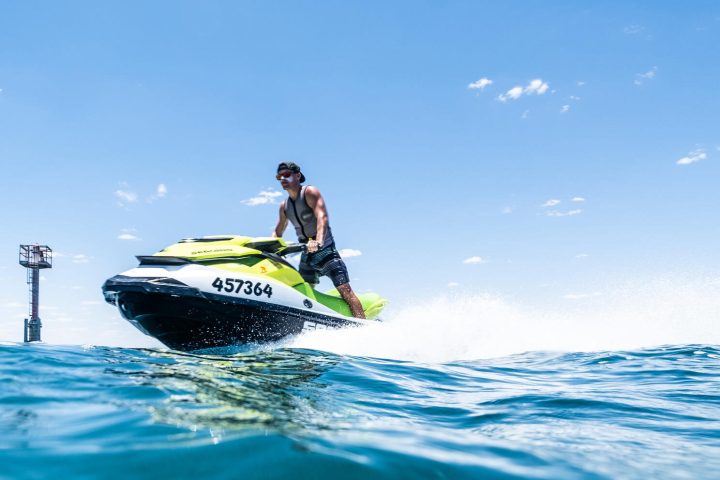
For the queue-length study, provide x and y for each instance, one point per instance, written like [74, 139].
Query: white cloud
[506, 210]
[582, 255]
[580, 83]
[633, 29]
[349, 253]
[74, 257]
[535, 87]
[649, 75]
[512, 94]
[574, 98]
[473, 260]
[580, 296]
[525, 114]
[570, 213]
[565, 109]
[128, 234]
[80, 258]
[692, 157]
[480, 84]
[91, 302]
[125, 197]
[453, 284]
[265, 197]
[578, 199]
[551, 203]
[160, 192]
[14, 305]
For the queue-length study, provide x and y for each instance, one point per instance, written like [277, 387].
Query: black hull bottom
[193, 323]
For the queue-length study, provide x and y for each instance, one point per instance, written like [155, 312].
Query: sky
[540, 151]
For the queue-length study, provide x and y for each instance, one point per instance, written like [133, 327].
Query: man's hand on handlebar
[312, 246]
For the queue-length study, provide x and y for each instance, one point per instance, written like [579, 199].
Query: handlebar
[293, 248]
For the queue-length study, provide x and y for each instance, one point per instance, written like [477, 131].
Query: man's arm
[316, 201]
[282, 222]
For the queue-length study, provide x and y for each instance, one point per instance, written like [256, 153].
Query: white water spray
[668, 310]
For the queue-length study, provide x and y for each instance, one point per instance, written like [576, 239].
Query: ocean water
[288, 412]
[619, 384]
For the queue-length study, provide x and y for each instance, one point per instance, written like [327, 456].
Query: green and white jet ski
[227, 290]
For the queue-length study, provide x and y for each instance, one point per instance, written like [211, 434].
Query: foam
[468, 326]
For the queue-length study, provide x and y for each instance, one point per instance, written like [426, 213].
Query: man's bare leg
[352, 300]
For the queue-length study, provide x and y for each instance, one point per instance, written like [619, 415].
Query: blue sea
[117, 413]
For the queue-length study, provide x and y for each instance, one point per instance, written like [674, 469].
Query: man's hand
[312, 246]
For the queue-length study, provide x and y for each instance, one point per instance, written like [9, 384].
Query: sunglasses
[284, 175]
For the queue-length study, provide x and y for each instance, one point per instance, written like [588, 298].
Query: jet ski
[219, 291]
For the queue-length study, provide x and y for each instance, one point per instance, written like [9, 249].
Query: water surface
[99, 412]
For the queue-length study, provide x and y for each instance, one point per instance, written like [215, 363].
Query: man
[305, 208]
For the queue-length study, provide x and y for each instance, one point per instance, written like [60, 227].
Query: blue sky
[536, 150]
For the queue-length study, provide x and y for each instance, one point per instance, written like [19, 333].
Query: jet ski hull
[185, 318]
[194, 323]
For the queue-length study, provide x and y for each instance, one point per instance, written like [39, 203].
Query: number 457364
[245, 286]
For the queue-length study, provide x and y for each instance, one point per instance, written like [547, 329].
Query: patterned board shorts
[325, 261]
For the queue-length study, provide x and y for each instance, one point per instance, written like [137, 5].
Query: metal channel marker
[34, 258]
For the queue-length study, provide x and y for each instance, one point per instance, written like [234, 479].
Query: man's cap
[293, 167]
